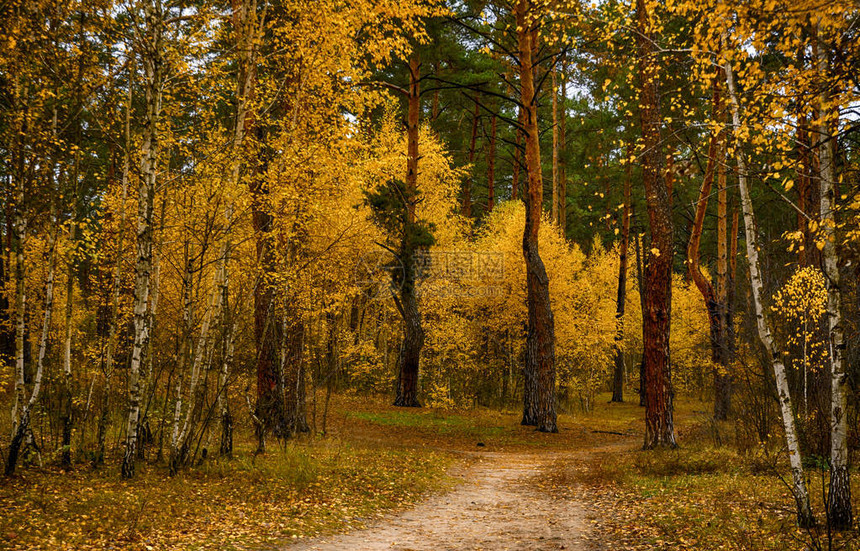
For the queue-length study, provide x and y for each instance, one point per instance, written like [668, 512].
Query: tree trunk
[293, 363]
[226, 443]
[555, 178]
[640, 284]
[621, 295]
[839, 512]
[491, 166]
[21, 429]
[562, 145]
[19, 236]
[467, 188]
[269, 409]
[245, 25]
[725, 294]
[227, 343]
[801, 495]
[110, 349]
[714, 306]
[180, 444]
[152, 60]
[539, 369]
[659, 423]
[66, 415]
[413, 333]
[185, 343]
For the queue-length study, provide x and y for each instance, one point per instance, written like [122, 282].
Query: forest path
[505, 501]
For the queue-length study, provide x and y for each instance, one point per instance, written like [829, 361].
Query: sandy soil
[503, 503]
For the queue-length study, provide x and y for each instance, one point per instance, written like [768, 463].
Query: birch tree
[150, 41]
[801, 494]
[839, 496]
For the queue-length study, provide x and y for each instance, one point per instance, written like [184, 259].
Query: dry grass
[700, 496]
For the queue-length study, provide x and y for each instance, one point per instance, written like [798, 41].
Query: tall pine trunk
[269, 410]
[659, 418]
[413, 332]
[539, 369]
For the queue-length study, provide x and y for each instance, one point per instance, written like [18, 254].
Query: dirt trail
[502, 504]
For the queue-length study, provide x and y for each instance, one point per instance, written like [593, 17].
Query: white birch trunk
[801, 495]
[201, 349]
[46, 319]
[21, 428]
[66, 415]
[19, 240]
[152, 60]
[185, 354]
[227, 329]
[839, 496]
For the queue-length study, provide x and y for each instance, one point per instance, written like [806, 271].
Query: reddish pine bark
[714, 304]
[659, 422]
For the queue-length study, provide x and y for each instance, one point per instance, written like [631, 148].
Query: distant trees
[266, 151]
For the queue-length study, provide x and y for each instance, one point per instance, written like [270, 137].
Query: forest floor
[415, 479]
